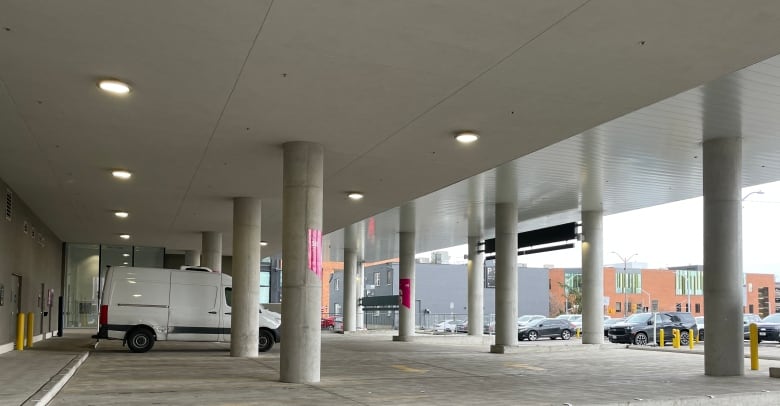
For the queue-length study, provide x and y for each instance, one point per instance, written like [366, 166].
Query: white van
[142, 305]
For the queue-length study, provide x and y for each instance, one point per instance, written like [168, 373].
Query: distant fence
[388, 320]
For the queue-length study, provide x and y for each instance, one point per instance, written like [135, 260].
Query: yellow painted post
[753, 347]
[675, 338]
[577, 332]
[691, 338]
[20, 332]
[661, 338]
[30, 325]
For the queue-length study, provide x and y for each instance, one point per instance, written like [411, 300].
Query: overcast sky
[671, 235]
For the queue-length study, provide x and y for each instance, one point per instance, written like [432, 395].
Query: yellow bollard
[675, 338]
[691, 337]
[753, 347]
[30, 325]
[661, 338]
[20, 332]
[577, 332]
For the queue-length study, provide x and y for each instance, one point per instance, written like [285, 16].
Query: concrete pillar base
[594, 338]
[500, 348]
[403, 338]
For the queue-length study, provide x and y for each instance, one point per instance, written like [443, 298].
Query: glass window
[149, 257]
[338, 285]
[81, 285]
[265, 287]
[229, 296]
[389, 276]
[617, 307]
[377, 279]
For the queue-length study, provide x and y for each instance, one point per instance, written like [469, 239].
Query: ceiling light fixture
[355, 195]
[263, 243]
[124, 236]
[121, 214]
[466, 137]
[125, 255]
[114, 86]
[121, 174]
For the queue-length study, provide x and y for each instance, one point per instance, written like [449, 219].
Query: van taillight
[103, 315]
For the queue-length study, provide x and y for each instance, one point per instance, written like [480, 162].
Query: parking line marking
[409, 369]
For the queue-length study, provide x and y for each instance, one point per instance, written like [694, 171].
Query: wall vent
[9, 204]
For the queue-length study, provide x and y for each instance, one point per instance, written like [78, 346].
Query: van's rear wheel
[265, 341]
[140, 340]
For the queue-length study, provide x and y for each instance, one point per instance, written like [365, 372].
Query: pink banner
[315, 251]
[405, 291]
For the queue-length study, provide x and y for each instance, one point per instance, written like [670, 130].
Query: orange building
[675, 289]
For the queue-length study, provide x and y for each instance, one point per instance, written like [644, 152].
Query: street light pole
[625, 280]
[652, 315]
[744, 281]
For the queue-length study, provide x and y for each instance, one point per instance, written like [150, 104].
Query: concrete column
[406, 278]
[361, 290]
[301, 258]
[246, 277]
[350, 276]
[192, 257]
[724, 352]
[476, 286]
[506, 276]
[212, 250]
[592, 278]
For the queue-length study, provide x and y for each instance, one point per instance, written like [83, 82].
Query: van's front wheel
[265, 341]
[140, 340]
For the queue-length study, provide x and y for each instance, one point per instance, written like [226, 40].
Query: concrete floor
[370, 369]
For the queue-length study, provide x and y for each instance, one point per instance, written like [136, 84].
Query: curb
[49, 390]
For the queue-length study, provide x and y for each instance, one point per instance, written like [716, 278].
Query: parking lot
[370, 369]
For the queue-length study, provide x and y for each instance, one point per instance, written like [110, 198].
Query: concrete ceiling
[581, 104]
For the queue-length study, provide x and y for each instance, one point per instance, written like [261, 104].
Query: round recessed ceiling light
[121, 174]
[125, 255]
[466, 137]
[355, 195]
[263, 243]
[114, 86]
[121, 214]
[124, 236]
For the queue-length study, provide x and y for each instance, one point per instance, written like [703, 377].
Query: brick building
[677, 288]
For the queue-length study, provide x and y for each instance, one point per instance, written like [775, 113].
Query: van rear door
[194, 311]
[227, 301]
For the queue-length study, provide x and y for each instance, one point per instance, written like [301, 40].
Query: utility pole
[625, 281]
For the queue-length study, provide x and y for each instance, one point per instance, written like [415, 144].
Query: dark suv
[638, 329]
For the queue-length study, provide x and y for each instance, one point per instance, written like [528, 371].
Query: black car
[552, 328]
[609, 323]
[769, 328]
[747, 319]
[639, 328]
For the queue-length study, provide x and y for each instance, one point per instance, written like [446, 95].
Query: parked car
[327, 322]
[769, 328]
[446, 326]
[552, 328]
[609, 323]
[338, 323]
[700, 325]
[462, 327]
[576, 319]
[523, 320]
[747, 319]
[640, 327]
